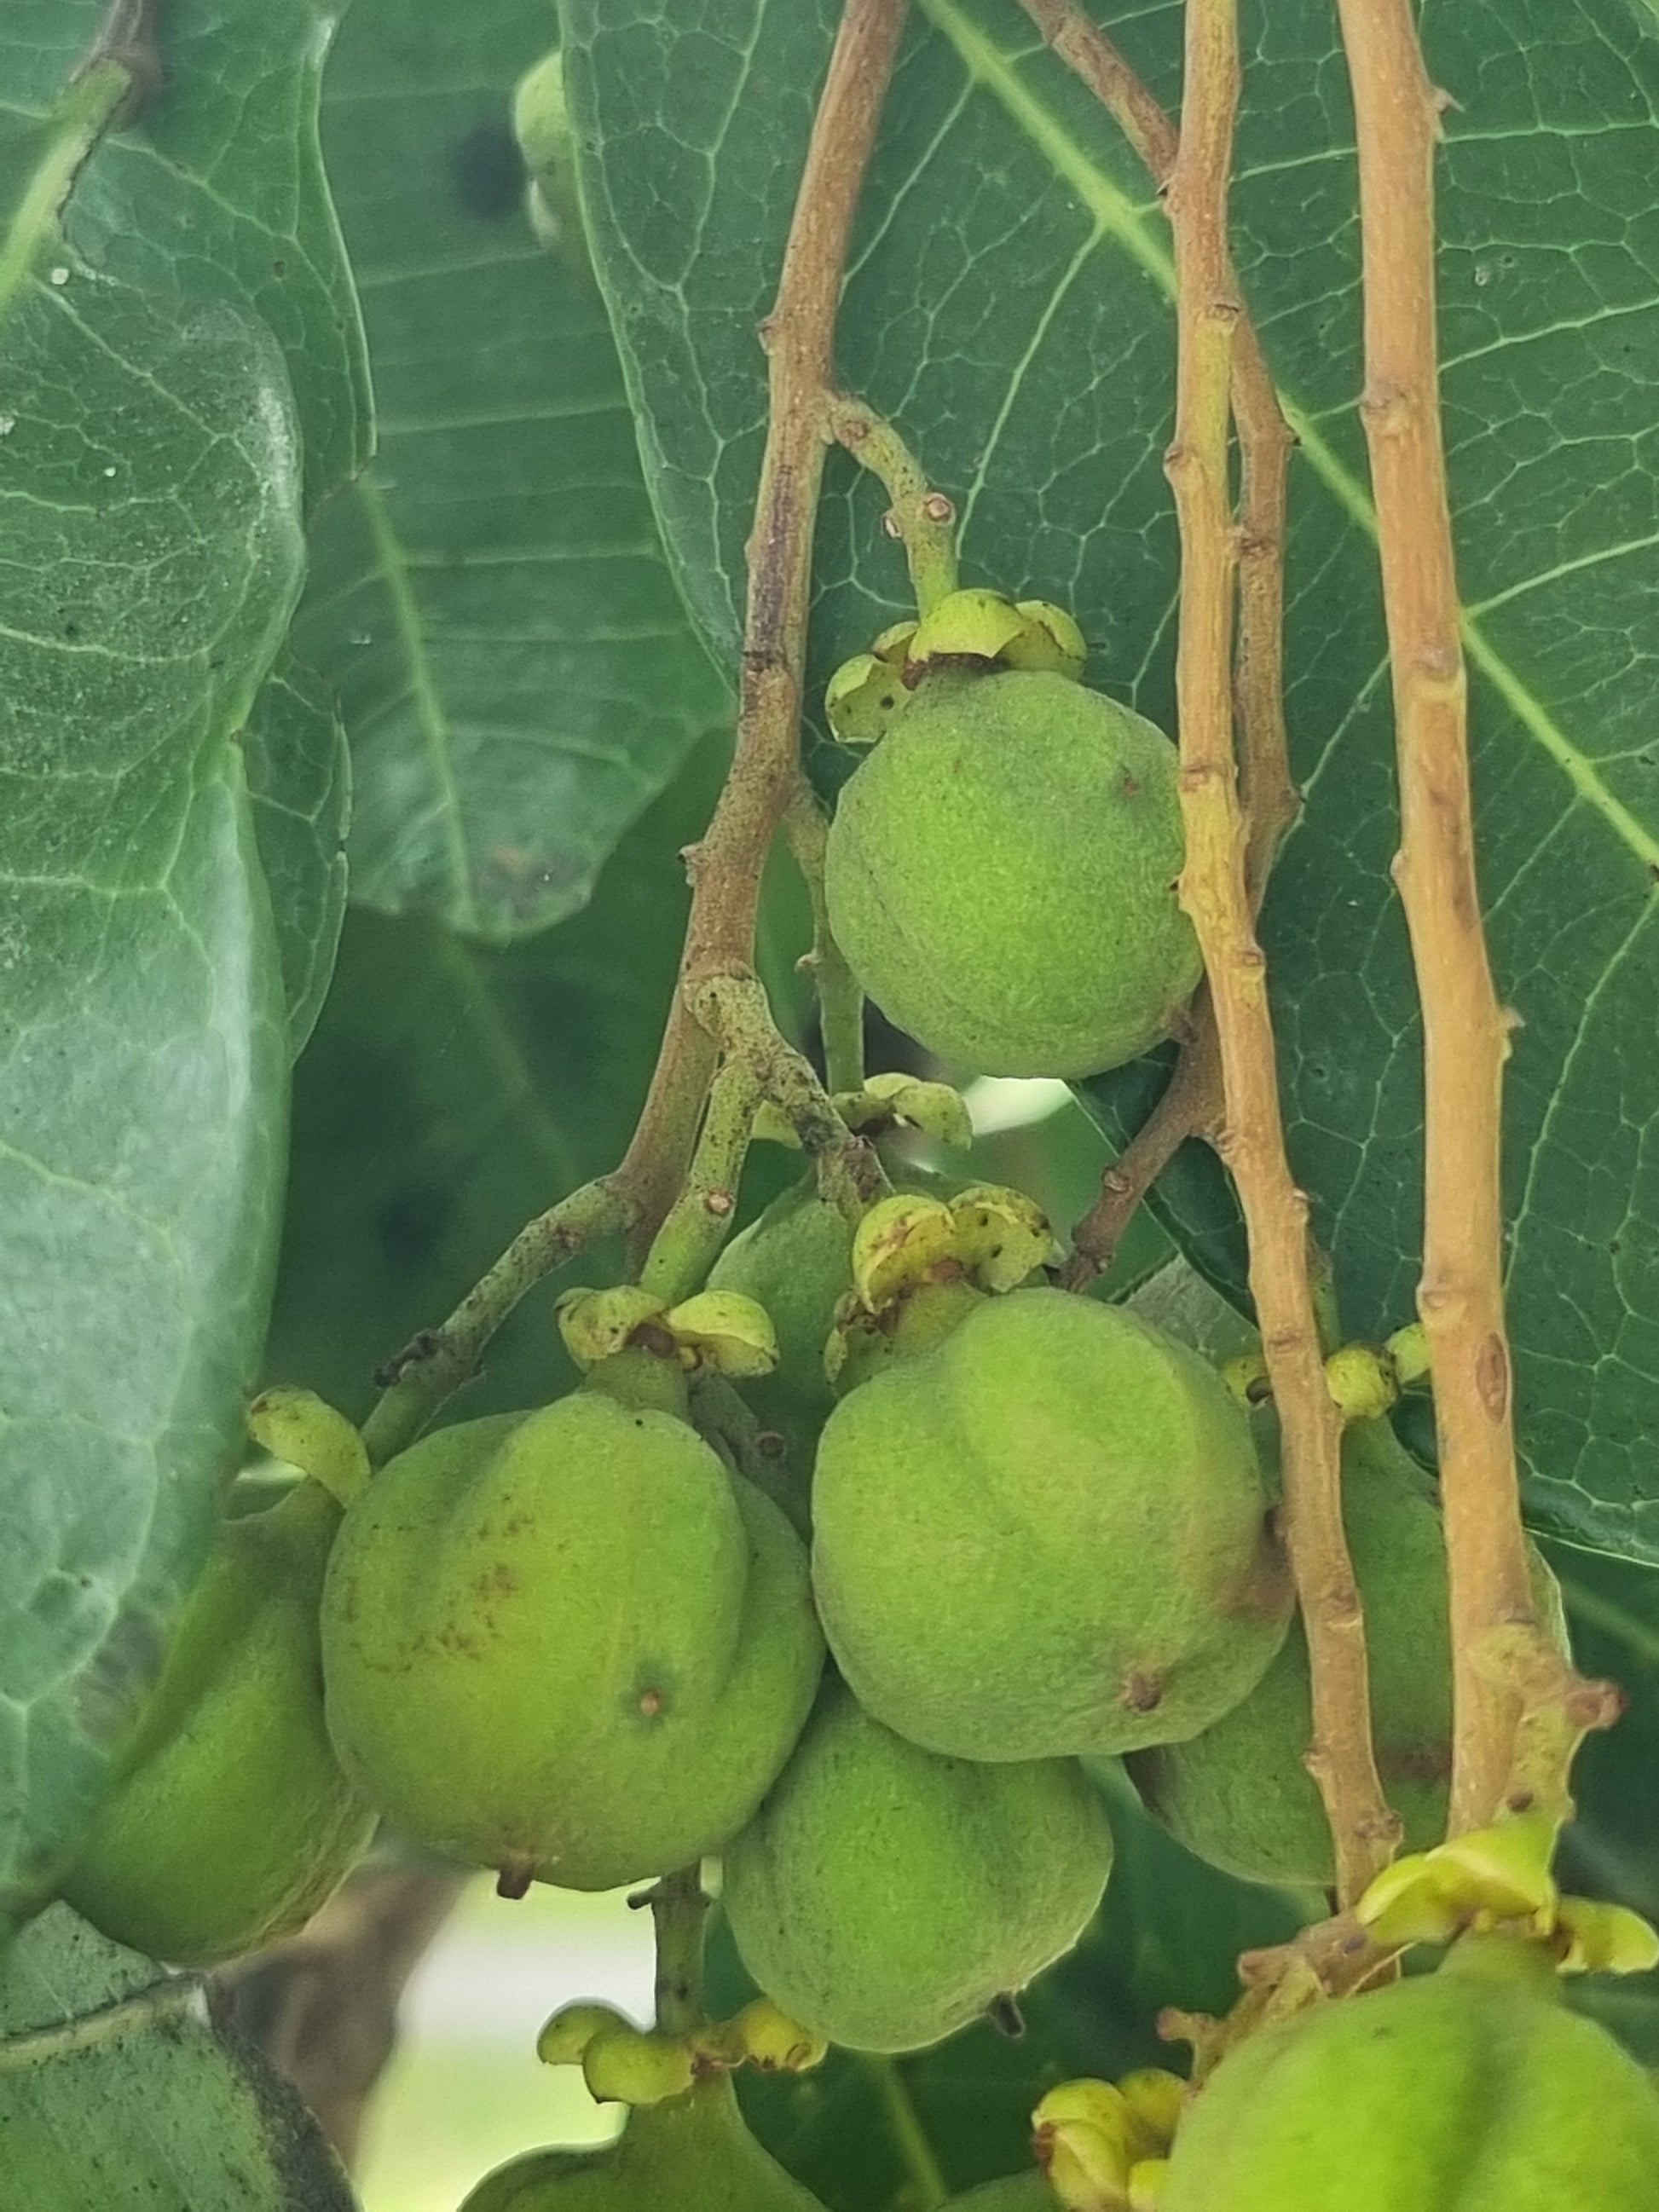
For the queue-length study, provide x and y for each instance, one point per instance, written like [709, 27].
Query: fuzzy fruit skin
[1238, 1794]
[883, 1897]
[692, 2154]
[1000, 875]
[795, 1259]
[230, 1821]
[1047, 1536]
[567, 1644]
[1445, 2093]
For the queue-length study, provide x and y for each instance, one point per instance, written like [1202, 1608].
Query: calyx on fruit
[692, 2154]
[1239, 1794]
[1046, 1536]
[1473, 2090]
[794, 1262]
[1000, 873]
[972, 629]
[987, 1874]
[567, 1645]
[920, 1264]
[229, 1821]
[1104, 2145]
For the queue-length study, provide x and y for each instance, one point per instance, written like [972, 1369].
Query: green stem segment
[733, 1009]
[679, 1907]
[685, 1246]
[841, 1000]
[923, 520]
[438, 1361]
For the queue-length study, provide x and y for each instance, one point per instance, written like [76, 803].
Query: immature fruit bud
[1239, 1794]
[569, 1645]
[230, 1822]
[1046, 1536]
[987, 1874]
[1469, 2090]
[692, 2154]
[1001, 872]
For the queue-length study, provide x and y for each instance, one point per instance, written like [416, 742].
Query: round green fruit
[229, 1821]
[1047, 1535]
[1001, 874]
[691, 2155]
[884, 1898]
[1473, 2090]
[569, 1645]
[1239, 1794]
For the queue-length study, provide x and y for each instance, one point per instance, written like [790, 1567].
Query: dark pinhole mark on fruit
[409, 1223]
[514, 1879]
[1141, 1693]
[1006, 2016]
[651, 1703]
[769, 1444]
[487, 171]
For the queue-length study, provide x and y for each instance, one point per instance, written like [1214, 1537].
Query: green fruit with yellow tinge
[885, 1897]
[1047, 1535]
[691, 2155]
[1239, 1794]
[1473, 2090]
[229, 1821]
[569, 1645]
[1001, 876]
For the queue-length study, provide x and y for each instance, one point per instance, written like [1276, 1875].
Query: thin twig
[439, 1360]
[1215, 893]
[1191, 1105]
[725, 868]
[841, 996]
[1465, 1031]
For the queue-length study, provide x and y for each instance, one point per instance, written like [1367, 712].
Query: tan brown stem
[1191, 1105]
[726, 867]
[1465, 1032]
[1215, 892]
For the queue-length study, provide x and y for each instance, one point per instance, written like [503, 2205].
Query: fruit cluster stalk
[1465, 1031]
[1215, 892]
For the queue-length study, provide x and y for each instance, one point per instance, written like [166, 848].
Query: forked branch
[1215, 891]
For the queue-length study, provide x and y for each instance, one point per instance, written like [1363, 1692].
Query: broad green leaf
[149, 509]
[1009, 302]
[119, 2093]
[299, 776]
[871, 2134]
[218, 197]
[451, 1091]
[490, 605]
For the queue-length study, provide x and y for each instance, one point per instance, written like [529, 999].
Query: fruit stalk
[686, 1245]
[840, 1000]
[1215, 892]
[679, 1907]
[1192, 1103]
[922, 519]
[1465, 1031]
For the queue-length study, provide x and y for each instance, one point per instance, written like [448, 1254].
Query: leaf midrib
[1117, 215]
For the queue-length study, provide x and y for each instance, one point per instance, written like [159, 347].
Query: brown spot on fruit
[1142, 1693]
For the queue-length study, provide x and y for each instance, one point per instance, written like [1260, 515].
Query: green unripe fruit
[1239, 1794]
[885, 1897]
[1473, 2090]
[567, 1645]
[692, 2154]
[1047, 1535]
[794, 1260]
[1000, 874]
[230, 1821]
